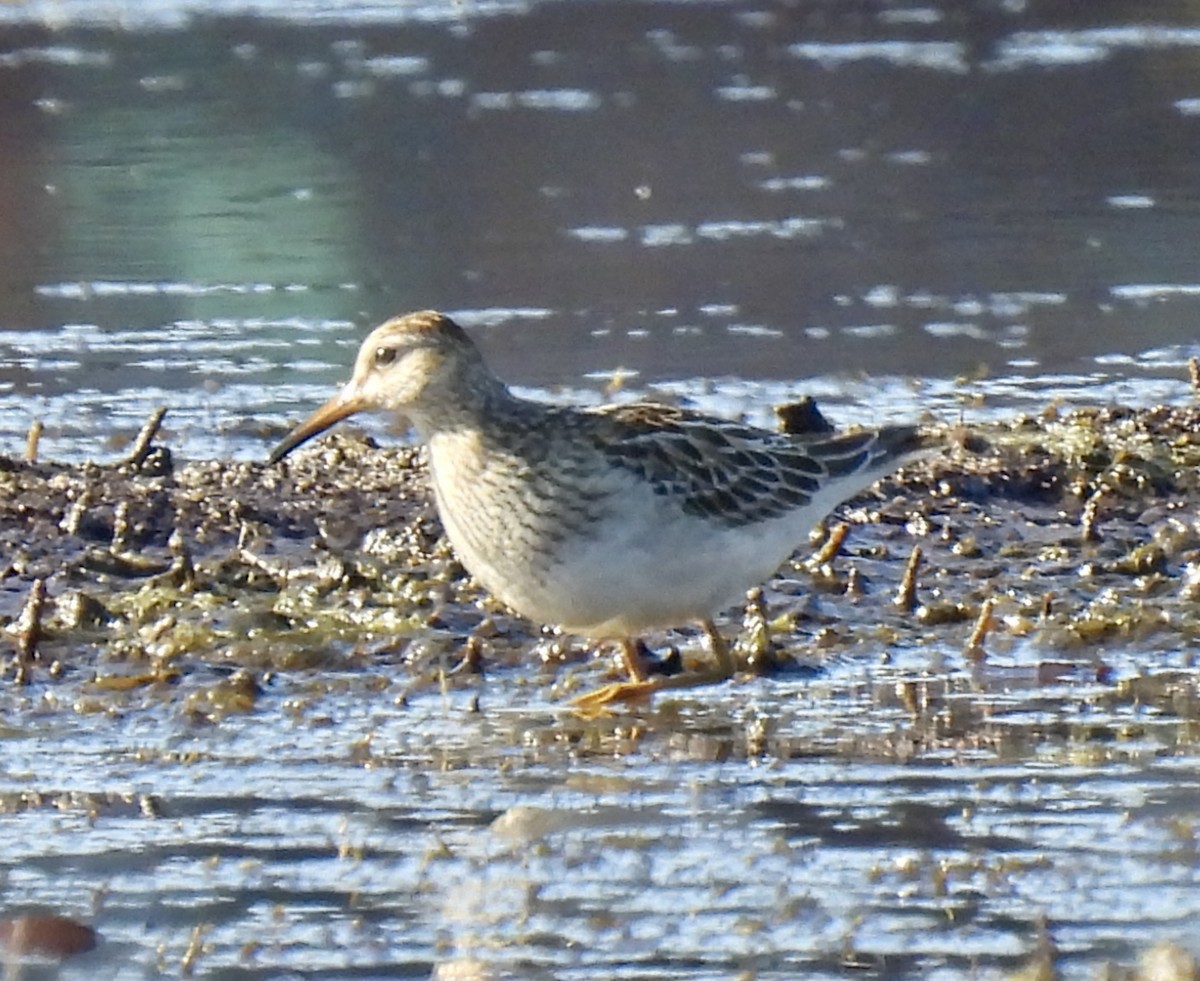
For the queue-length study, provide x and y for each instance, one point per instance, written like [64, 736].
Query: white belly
[680, 574]
[648, 566]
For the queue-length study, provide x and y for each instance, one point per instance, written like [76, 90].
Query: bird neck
[483, 408]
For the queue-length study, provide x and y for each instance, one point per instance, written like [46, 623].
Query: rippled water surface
[793, 830]
[897, 208]
[969, 209]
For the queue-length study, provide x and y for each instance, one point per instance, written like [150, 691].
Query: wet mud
[1068, 532]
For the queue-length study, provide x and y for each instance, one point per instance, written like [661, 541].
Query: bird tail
[868, 450]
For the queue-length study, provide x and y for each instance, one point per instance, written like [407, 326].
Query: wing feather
[734, 473]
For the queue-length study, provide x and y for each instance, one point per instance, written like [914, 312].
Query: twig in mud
[1047, 609]
[277, 570]
[181, 573]
[76, 513]
[983, 624]
[756, 635]
[32, 438]
[854, 583]
[833, 545]
[29, 630]
[181, 563]
[325, 573]
[120, 535]
[141, 445]
[472, 658]
[187, 965]
[1087, 521]
[906, 595]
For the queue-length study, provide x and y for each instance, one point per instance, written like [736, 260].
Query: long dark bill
[333, 411]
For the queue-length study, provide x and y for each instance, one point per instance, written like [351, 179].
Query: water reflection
[681, 842]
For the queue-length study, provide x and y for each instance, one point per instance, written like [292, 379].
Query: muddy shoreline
[1067, 531]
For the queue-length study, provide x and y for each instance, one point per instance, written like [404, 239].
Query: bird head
[412, 365]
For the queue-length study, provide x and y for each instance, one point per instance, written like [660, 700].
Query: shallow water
[897, 209]
[960, 209]
[782, 830]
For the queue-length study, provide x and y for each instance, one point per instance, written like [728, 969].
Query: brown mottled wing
[736, 474]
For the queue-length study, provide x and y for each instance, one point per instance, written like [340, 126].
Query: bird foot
[600, 700]
[595, 703]
[643, 684]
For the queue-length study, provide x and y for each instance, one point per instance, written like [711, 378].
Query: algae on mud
[1063, 533]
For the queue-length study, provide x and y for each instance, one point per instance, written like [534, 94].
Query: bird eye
[384, 356]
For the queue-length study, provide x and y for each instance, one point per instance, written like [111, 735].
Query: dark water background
[971, 207]
[866, 201]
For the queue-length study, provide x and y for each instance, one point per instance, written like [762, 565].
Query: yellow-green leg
[635, 664]
[724, 665]
[642, 685]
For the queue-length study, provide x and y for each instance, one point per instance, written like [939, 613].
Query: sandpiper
[610, 521]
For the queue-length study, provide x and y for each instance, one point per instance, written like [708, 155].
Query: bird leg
[725, 665]
[635, 663]
[642, 685]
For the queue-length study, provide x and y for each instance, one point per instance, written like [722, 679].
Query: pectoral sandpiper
[608, 521]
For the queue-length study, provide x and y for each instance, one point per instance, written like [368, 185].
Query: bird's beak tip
[344, 404]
